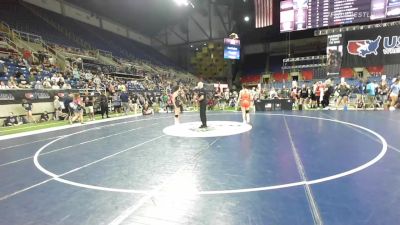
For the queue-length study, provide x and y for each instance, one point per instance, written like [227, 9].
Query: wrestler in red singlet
[245, 99]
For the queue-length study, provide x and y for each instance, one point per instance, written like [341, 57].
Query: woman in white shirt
[394, 94]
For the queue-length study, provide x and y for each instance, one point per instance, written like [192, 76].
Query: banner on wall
[372, 47]
[15, 96]
[34, 96]
[334, 52]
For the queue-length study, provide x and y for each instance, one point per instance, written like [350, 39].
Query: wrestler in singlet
[245, 99]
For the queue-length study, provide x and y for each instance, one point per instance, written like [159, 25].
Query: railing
[28, 36]
[90, 54]
[4, 27]
[11, 43]
[105, 53]
[60, 58]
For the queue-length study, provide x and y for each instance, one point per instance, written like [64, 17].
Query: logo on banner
[37, 96]
[363, 48]
[6, 97]
[29, 96]
[391, 45]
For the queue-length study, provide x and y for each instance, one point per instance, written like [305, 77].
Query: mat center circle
[214, 129]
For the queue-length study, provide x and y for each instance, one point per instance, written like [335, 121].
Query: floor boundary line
[366, 134]
[128, 212]
[301, 170]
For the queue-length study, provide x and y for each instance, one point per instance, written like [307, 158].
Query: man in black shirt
[28, 109]
[67, 100]
[104, 104]
[203, 104]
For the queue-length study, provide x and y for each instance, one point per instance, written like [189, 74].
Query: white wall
[51, 5]
[110, 26]
[18, 110]
[138, 37]
[81, 15]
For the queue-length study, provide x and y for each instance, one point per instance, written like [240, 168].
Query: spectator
[22, 82]
[44, 117]
[117, 103]
[63, 116]
[12, 83]
[57, 108]
[147, 110]
[104, 105]
[28, 109]
[32, 78]
[394, 93]
[67, 102]
[133, 106]
[11, 120]
[3, 86]
[67, 86]
[54, 86]
[273, 94]
[2, 69]
[89, 106]
[370, 90]
[125, 102]
[344, 91]
[38, 86]
[383, 90]
[77, 106]
[47, 84]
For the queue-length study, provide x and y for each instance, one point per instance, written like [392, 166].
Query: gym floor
[310, 167]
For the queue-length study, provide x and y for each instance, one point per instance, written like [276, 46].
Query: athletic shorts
[89, 109]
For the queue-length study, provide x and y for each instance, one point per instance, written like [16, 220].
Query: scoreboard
[307, 14]
[231, 48]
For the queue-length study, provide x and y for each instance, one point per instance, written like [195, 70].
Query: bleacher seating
[20, 18]
[105, 40]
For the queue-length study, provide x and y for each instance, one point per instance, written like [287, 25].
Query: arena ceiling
[150, 17]
[145, 16]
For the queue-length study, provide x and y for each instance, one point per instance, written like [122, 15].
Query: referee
[203, 104]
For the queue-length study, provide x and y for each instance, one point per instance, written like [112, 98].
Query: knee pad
[247, 111]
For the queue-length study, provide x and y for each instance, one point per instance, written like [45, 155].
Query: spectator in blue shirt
[125, 102]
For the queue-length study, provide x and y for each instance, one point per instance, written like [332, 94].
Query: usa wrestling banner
[372, 47]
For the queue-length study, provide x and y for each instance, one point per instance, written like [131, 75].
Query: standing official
[104, 104]
[203, 104]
